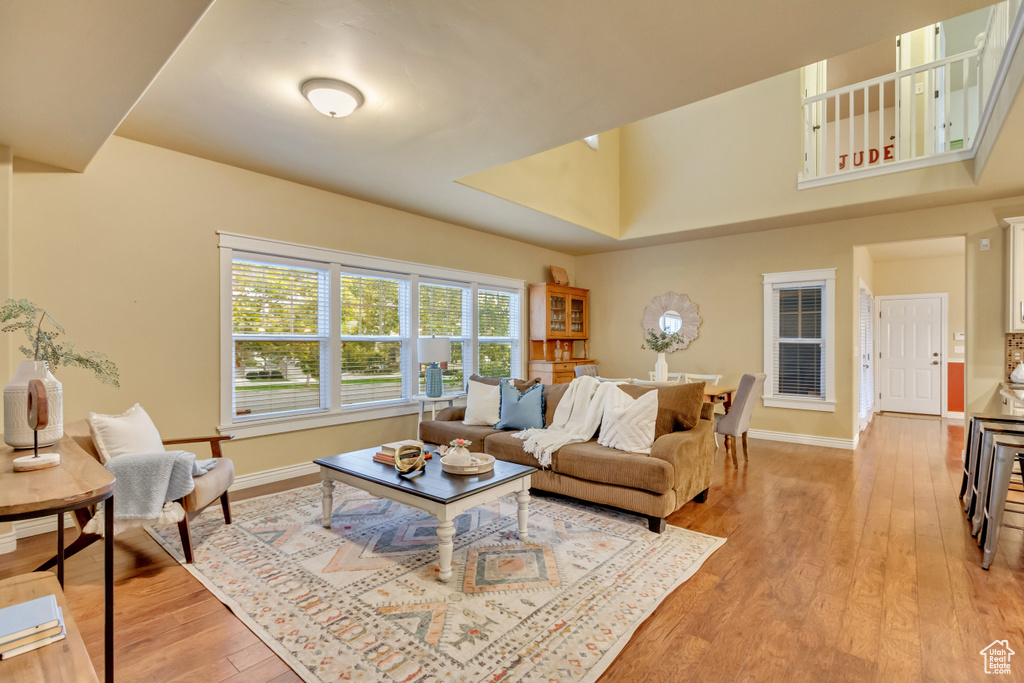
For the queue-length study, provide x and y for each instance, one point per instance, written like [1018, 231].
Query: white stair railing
[924, 111]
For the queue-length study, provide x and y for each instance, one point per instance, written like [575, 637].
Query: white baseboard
[805, 439]
[8, 542]
[40, 525]
[246, 481]
[44, 525]
[950, 415]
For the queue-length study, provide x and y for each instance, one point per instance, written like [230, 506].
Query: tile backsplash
[1014, 351]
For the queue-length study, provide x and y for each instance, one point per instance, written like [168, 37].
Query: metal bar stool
[979, 487]
[971, 449]
[1006, 448]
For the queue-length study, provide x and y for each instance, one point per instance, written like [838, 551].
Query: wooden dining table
[720, 393]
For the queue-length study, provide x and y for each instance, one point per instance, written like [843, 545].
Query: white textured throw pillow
[130, 432]
[628, 423]
[483, 404]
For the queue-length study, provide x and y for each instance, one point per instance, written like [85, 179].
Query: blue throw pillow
[521, 410]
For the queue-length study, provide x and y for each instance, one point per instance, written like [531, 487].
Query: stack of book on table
[30, 625]
[386, 453]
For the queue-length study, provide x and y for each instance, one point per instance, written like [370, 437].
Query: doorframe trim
[862, 423]
[943, 369]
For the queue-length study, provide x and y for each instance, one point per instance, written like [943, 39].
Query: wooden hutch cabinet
[559, 332]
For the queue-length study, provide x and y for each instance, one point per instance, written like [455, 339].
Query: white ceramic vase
[661, 368]
[459, 455]
[17, 433]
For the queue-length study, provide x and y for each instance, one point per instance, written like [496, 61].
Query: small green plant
[44, 344]
[659, 340]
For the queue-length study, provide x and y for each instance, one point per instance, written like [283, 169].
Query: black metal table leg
[108, 589]
[60, 549]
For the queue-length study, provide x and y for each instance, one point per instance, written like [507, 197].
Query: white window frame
[825, 277]
[516, 344]
[233, 246]
[468, 340]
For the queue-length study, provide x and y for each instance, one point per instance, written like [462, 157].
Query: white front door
[909, 355]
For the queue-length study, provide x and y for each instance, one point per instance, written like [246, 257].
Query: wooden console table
[78, 482]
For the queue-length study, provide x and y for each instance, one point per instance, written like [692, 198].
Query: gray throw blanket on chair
[146, 489]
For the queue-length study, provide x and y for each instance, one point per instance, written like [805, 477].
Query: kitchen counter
[1013, 396]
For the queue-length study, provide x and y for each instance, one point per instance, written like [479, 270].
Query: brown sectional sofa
[678, 469]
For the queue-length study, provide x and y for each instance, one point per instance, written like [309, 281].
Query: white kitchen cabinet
[1015, 274]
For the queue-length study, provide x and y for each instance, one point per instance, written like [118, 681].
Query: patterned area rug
[361, 601]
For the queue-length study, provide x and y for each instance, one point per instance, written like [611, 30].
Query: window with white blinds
[279, 329]
[315, 337]
[447, 311]
[799, 339]
[497, 332]
[374, 338]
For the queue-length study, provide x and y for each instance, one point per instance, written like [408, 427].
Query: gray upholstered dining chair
[589, 370]
[737, 421]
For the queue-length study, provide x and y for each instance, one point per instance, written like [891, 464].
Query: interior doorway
[910, 322]
[866, 379]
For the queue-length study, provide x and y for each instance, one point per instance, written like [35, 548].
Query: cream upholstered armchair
[736, 422]
[209, 488]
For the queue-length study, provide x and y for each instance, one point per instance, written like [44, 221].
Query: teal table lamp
[434, 350]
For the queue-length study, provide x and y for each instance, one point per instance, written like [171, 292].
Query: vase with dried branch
[47, 350]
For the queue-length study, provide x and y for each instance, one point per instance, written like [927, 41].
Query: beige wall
[6, 253]
[723, 276]
[572, 182]
[734, 159]
[6, 257]
[125, 256]
[928, 276]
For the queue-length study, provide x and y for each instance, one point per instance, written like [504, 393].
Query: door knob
[936, 353]
[935, 362]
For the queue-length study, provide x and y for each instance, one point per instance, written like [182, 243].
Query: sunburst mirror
[675, 314]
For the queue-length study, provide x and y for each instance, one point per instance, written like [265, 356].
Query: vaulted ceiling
[452, 87]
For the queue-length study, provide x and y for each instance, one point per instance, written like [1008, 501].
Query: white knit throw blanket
[576, 419]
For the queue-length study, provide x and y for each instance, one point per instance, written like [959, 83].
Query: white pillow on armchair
[130, 432]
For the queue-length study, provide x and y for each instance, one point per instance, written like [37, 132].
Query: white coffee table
[443, 495]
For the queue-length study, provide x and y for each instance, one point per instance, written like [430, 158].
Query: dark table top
[431, 483]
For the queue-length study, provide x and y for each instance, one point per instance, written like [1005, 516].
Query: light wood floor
[839, 566]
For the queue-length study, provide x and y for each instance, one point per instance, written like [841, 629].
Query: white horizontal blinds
[498, 329]
[374, 338]
[279, 325]
[446, 311]
[799, 342]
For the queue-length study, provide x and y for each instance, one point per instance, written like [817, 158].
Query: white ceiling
[452, 86]
[71, 70]
[914, 249]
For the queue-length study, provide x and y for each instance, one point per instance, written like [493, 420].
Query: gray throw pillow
[521, 409]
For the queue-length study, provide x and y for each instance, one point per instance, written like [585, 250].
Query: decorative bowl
[481, 462]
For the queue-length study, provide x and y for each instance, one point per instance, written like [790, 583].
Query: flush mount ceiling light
[331, 97]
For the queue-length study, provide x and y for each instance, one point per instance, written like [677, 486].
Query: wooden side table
[65, 660]
[433, 401]
[78, 482]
